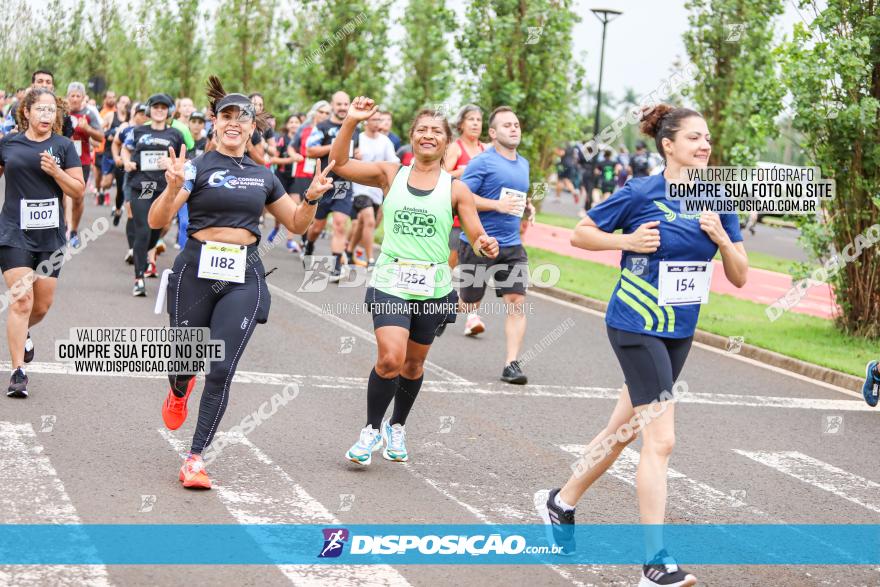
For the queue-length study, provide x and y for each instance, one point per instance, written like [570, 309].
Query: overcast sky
[641, 44]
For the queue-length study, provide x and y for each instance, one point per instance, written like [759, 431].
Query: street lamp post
[605, 15]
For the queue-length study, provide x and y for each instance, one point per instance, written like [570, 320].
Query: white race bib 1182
[222, 262]
[683, 283]
[39, 214]
[414, 277]
[150, 160]
[309, 165]
[518, 197]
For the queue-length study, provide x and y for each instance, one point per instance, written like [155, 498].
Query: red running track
[763, 287]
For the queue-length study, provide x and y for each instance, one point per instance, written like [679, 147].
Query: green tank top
[416, 229]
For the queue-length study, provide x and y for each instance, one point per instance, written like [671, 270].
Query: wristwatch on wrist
[312, 202]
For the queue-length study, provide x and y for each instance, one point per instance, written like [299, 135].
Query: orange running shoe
[193, 473]
[174, 408]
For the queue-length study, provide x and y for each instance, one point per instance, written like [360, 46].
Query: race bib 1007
[39, 214]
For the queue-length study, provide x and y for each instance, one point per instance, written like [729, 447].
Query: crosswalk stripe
[848, 486]
[32, 493]
[702, 503]
[452, 492]
[248, 473]
[485, 388]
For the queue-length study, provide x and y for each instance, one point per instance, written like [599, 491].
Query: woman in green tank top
[410, 295]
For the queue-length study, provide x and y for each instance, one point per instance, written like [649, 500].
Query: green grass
[556, 219]
[800, 336]
[759, 260]
[768, 262]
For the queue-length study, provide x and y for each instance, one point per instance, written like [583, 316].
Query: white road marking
[489, 388]
[248, 474]
[446, 489]
[705, 347]
[32, 493]
[848, 486]
[356, 330]
[703, 503]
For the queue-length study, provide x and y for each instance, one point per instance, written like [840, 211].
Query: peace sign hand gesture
[174, 166]
[321, 184]
[362, 108]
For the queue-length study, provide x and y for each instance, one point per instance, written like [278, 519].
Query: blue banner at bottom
[142, 544]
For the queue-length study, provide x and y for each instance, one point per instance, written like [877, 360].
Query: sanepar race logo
[403, 544]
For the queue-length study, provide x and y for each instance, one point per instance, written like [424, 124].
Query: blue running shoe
[272, 234]
[394, 438]
[362, 450]
[871, 388]
[74, 240]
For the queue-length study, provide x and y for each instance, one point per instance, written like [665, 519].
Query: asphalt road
[754, 445]
[771, 240]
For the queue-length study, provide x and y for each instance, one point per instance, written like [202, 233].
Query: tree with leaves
[737, 89]
[245, 52]
[832, 69]
[425, 59]
[173, 32]
[340, 46]
[518, 53]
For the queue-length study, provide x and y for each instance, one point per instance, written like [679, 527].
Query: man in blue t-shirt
[499, 178]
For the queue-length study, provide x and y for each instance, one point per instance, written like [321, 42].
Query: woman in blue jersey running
[666, 269]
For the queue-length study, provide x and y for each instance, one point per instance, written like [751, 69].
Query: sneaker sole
[516, 380]
[17, 394]
[359, 462]
[192, 485]
[687, 582]
[474, 331]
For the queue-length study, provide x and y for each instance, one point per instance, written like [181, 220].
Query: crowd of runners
[449, 195]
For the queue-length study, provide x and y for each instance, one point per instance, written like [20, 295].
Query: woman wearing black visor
[218, 279]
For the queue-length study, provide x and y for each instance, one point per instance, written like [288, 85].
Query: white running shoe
[362, 451]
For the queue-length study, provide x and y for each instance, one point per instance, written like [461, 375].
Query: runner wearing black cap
[145, 156]
[218, 280]
[138, 117]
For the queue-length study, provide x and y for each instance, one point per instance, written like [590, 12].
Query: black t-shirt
[198, 148]
[223, 194]
[25, 179]
[258, 137]
[323, 135]
[146, 144]
[606, 172]
[641, 164]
